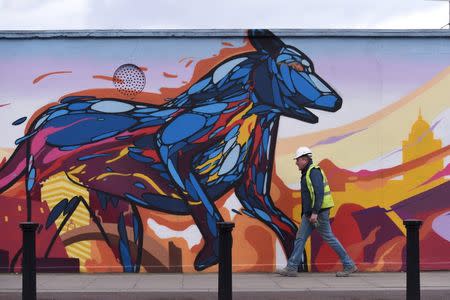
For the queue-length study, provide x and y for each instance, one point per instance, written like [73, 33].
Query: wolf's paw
[206, 258]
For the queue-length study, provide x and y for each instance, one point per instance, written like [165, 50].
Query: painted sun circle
[129, 80]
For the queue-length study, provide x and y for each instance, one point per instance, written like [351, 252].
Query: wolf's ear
[265, 40]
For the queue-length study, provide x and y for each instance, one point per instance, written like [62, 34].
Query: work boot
[287, 272]
[347, 271]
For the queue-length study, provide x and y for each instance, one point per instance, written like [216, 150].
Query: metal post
[29, 260]
[225, 245]
[412, 259]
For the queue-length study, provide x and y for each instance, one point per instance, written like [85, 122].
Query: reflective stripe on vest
[327, 198]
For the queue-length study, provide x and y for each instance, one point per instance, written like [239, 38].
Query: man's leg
[300, 239]
[327, 235]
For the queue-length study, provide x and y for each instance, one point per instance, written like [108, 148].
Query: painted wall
[128, 150]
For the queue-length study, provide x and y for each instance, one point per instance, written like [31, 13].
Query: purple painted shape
[4, 261]
[57, 265]
[441, 225]
[368, 220]
[334, 139]
[425, 203]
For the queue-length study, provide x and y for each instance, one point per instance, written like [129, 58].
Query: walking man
[316, 204]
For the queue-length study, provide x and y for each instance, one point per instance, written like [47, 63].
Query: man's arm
[317, 182]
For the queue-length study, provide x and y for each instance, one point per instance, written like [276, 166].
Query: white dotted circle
[129, 79]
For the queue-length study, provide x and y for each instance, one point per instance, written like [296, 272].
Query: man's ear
[264, 40]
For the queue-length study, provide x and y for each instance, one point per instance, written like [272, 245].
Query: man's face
[301, 162]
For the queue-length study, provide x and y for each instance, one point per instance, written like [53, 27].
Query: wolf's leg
[114, 206]
[261, 207]
[254, 190]
[177, 152]
[124, 246]
[30, 182]
[138, 231]
[206, 218]
[204, 213]
[73, 204]
[131, 262]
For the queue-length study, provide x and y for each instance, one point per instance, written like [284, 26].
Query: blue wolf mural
[179, 157]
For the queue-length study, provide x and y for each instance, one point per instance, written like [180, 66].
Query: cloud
[433, 17]
[158, 14]
[50, 14]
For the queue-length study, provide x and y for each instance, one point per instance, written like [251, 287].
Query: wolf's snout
[330, 102]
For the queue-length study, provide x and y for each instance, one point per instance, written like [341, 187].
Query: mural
[131, 171]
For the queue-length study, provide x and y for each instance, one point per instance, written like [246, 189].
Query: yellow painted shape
[246, 129]
[212, 163]
[121, 154]
[72, 174]
[213, 177]
[101, 176]
[296, 194]
[240, 115]
[175, 196]
[397, 221]
[151, 182]
[77, 170]
[243, 136]
[296, 211]
[195, 203]
[308, 252]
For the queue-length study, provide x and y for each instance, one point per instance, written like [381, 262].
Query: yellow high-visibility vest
[327, 198]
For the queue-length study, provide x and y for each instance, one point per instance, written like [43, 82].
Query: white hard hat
[302, 151]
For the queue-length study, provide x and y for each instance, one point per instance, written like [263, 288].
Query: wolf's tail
[14, 168]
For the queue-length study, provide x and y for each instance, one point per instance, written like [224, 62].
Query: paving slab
[434, 285]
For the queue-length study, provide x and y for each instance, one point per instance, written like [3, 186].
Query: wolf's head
[286, 82]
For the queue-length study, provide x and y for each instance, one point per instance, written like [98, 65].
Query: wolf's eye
[296, 66]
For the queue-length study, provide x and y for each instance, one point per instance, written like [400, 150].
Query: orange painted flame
[40, 77]
[388, 256]
[168, 75]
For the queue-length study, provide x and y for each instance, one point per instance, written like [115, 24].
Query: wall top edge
[205, 33]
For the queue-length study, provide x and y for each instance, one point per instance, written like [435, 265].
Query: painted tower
[420, 142]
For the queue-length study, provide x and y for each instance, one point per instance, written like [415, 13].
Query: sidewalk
[434, 285]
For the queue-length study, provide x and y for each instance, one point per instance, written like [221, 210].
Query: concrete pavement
[434, 285]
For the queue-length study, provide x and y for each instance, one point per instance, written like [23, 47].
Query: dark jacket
[317, 181]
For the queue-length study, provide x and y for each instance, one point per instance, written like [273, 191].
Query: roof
[206, 33]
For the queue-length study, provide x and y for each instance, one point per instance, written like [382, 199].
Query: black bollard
[29, 260]
[225, 245]
[412, 259]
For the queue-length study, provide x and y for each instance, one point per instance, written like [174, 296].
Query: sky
[213, 14]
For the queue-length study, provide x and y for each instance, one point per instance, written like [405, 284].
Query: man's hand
[313, 218]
